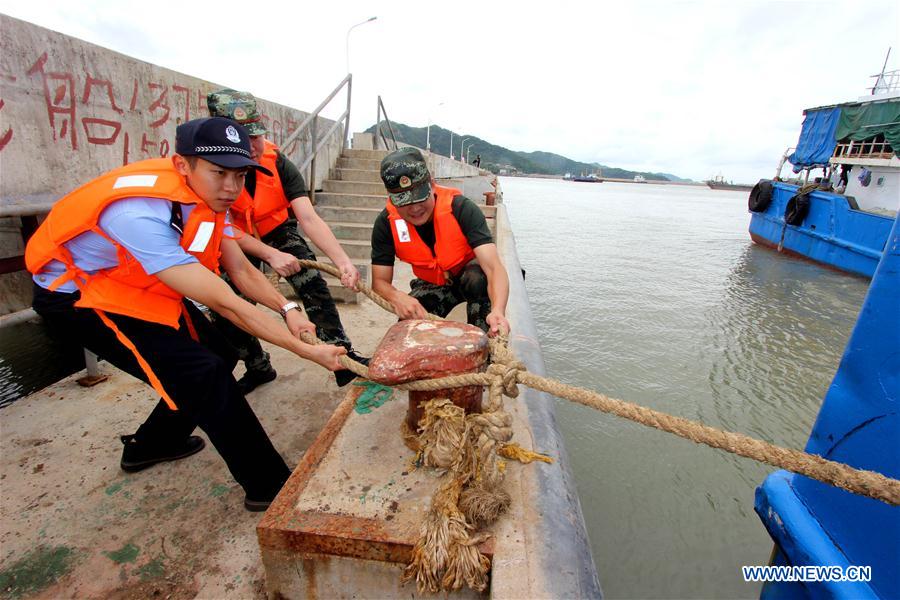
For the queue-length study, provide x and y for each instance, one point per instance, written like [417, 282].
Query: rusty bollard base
[416, 349]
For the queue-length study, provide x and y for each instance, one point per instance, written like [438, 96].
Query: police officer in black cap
[114, 265]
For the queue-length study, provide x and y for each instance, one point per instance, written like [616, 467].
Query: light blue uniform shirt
[141, 226]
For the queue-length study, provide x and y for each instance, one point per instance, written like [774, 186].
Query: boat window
[874, 147]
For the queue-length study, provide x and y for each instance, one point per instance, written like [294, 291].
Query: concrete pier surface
[75, 525]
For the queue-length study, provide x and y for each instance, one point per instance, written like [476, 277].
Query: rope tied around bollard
[470, 449]
[506, 371]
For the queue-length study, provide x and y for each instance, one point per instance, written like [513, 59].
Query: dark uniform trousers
[469, 286]
[310, 287]
[197, 376]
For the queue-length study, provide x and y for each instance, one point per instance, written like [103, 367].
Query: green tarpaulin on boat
[863, 121]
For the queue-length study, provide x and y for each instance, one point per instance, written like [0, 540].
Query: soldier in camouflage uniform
[280, 244]
[449, 246]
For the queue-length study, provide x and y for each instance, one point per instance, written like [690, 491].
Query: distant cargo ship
[589, 178]
[718, 183]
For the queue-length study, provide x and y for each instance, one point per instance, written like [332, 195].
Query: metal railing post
[377, 121]
[312, 164]
[387, 119]
[346, 141]
[90, 363]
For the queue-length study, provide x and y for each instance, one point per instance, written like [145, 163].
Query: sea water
[656, 295]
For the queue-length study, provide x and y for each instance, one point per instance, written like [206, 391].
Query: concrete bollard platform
[346, 521]
[416, 349]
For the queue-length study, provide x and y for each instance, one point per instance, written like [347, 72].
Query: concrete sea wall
[71, 110]
[441, 167]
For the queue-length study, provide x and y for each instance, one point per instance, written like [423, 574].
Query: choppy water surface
[655, 294]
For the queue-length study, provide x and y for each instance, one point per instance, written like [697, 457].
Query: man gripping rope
[269, 212]
[114, 264]
[445, 238]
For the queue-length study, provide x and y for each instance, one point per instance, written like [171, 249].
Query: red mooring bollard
[415, 349]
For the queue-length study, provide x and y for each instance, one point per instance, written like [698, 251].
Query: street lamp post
[451, 144]
[369, 20]
[462, 149]
[469, 153]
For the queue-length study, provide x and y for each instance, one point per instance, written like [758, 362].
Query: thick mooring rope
[506, 371]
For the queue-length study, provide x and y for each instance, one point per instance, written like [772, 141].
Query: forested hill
[495, 158]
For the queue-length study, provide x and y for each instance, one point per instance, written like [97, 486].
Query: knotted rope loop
[511, 379]
[512, 366]
[495, 425]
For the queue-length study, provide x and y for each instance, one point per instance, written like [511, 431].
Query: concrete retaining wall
[475, 188]
[70, 110]
[441, 167]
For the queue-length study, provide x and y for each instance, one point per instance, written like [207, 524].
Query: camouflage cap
[406, 177]
[237, 106]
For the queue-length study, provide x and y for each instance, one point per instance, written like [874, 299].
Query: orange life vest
[126, 289]
[451, 249]
[268, 207]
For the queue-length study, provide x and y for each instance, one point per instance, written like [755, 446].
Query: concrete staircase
[349, 204]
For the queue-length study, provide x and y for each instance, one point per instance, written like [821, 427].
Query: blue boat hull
[814, 524]
[833, 233]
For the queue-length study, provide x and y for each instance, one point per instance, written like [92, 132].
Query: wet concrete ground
[75, 525]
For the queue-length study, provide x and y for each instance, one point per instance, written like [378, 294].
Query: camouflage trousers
[469, 286]
[310, 287]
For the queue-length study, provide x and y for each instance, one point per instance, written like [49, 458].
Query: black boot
[254, 378]
[137, 456]
[344, 376]
[258, 502]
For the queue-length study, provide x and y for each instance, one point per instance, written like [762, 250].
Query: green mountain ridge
[494, 157]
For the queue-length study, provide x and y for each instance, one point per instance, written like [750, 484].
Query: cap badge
[405, 182]
[232, 134]
[239, 113]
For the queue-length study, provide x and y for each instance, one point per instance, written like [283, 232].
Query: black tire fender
[760, 196]
[797, 209]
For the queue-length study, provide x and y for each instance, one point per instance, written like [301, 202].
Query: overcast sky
[690, 88]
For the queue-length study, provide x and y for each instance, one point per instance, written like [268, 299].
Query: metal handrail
[379, 131]
[20, 316]
[784, 158]
[886, 82]
[25, 210]
[311, 122]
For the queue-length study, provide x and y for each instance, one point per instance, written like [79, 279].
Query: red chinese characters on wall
[59, 95]
[102, 132]
[85, 109]
[88, 109]
[6, 135]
